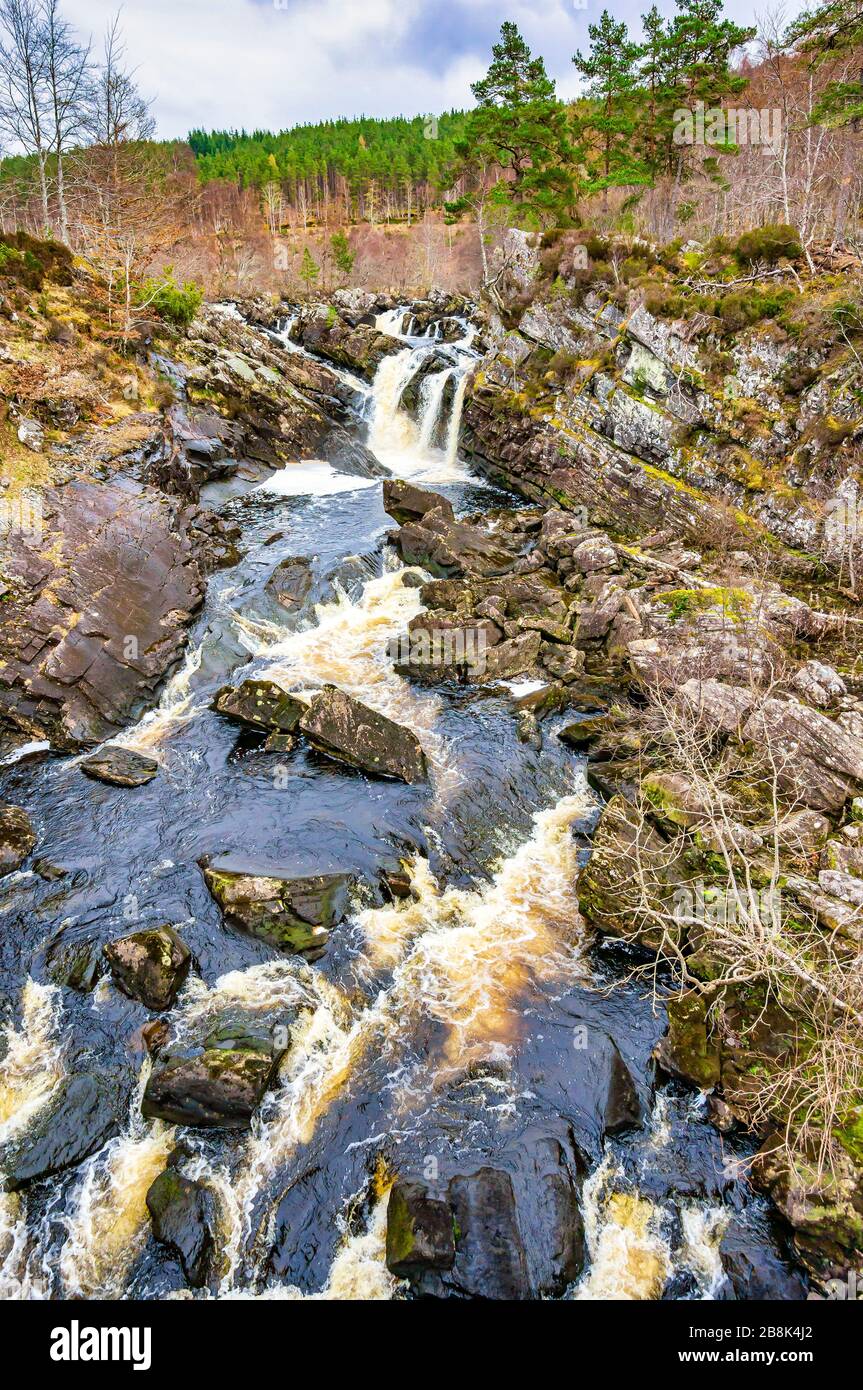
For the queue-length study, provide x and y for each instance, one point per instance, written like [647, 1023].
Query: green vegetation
[29, 262]
[176, 304]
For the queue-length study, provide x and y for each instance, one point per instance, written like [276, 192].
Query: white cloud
[226, 63]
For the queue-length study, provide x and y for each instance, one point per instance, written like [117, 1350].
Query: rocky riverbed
[383, 719]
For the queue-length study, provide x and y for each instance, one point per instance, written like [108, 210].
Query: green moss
[736, 603]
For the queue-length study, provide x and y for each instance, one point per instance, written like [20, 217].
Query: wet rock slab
[182, 1213]
[78, 1120]
[219, 1089]
[345, 729]
[120, 767]
[98, 609]
[17, 837]
[471, 1238]
[293, 912]
[260, 704]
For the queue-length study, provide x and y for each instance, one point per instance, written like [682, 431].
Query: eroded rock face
[96, 613]
[260, 704]
[17, 837]
[817, 761]
[150, 966]
[347, 730]
[219, 1089]
[293, 912]
[122, 767]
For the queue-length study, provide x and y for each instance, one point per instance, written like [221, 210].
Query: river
[438, 1033]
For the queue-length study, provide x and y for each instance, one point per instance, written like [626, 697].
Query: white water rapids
[460, 957]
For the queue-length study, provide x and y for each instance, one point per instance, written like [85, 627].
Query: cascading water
[438, 1024]
[433, 389]
[392, 322]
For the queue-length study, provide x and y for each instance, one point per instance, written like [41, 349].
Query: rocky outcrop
[150, 966]
[360, 346]
[591, 401]
[293, 912]
[343, 728]
[817, 761]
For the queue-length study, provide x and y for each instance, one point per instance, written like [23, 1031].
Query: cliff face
[588, 398]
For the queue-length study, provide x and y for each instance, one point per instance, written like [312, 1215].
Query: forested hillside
[364, 169]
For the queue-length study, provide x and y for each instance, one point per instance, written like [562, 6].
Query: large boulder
[150, 965]
[406, 502]
[291, 911]
[482, 1237]
[121, 767]
[17, 837]
[183, 1217]
[817, 762]
[260, 704]
[219, 1089]
[347, 730]
[81, 1116]
[446, 548]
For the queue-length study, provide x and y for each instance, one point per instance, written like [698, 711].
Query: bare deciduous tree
[24, 97]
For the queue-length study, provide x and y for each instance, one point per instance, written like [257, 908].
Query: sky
[271, 64]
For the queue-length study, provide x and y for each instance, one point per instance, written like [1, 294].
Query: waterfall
[455, 419]
[433, 389]
[391, 322]
[392, 430]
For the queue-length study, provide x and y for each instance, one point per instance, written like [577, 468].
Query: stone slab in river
[220, 1089]
[260, 705]
[294, 912]
[344, 728]
[121, 767]
[183, 1219]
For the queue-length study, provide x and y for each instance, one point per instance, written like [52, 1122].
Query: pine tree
[833, 33]
[309, 270]
[612, 118]
[343, 256]
[520, 126]
[686, 64]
